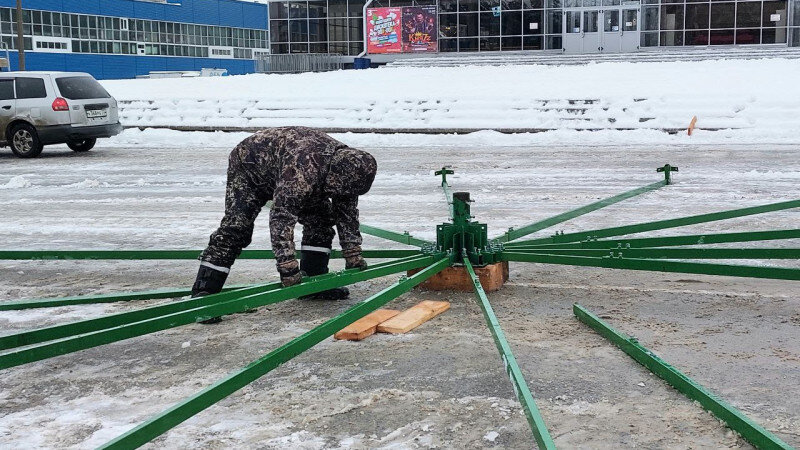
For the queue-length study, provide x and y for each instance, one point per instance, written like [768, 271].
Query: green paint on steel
[693, 239]
[156, 294]
[513, 371]
[749, 430]
[448, 195]
[103, 336]
[403, 238]
[513, 234]
[115, 320]
[168, 419]
[169, 254]
[775, 273]
[663, 224]
[676, 253]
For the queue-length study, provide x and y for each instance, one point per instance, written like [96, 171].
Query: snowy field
[443, 384]
[760, 96]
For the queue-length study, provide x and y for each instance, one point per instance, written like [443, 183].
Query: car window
[31, 88]
[7, 89]
[80, 88]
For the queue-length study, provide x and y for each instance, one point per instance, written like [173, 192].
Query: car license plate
[96, 113]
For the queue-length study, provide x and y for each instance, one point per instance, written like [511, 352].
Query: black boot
[209, 281]
[316, 263]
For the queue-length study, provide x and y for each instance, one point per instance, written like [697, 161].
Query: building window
[114, 35]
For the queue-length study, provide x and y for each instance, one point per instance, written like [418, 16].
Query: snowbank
[755, 94]
[161, 138]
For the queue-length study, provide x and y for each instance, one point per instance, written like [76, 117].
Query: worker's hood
[350, 173]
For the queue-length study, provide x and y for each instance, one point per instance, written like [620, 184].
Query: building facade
[125, 38]
[570, 26]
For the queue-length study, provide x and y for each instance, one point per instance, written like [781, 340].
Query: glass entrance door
[592, 38]
[591, 29]
[629, 39]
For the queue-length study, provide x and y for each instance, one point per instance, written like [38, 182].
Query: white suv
[43, 108]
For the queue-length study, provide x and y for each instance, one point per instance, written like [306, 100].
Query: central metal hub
[464, 237]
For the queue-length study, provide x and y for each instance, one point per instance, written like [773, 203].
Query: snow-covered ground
[443, 384]
[761, 96]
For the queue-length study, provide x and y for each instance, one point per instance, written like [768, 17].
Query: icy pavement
[443, 384]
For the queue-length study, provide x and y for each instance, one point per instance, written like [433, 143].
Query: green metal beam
[54, 332]
[170, 254]
[675, 253]
[513, 234]
[749, 430]
[103, 336]
[668, 241]
[775, 273]
[662, 224]
[115, 320]
[156, 294]
[403, 238]
[182, 411]
[448, 194]
[513, 371]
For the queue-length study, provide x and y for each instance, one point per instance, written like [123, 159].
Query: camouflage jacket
[300, 169]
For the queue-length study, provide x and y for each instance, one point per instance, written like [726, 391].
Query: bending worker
[312, 179]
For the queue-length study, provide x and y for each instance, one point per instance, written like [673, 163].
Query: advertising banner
[383, 30]
[419, 29]
[409, 29]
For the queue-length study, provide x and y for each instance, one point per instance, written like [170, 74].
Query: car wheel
[25, 141]
[83, 145]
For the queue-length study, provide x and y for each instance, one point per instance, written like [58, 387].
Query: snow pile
[750, 94]
[18, 182]
[162, 138]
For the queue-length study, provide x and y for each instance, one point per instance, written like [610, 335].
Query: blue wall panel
[184, 13]
[123, 66]
[212, 12]
[79, 6]
[206, 11]
[230, 13]
[254, 16]
[118, 66]
[152, 11]
[117, 8]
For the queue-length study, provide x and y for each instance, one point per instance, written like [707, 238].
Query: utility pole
[20, 37]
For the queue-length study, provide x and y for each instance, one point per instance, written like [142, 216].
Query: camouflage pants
[244, 200]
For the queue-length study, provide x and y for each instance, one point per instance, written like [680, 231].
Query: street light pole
[20, 37]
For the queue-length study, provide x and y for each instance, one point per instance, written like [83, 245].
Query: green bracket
[667, 169]
[751, 431]
[444, 173]
[464, 238]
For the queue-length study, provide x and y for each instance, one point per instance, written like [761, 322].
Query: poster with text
[383, 30]
[419, 29]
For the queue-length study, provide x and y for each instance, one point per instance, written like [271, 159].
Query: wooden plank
[365, 326]
[413, 317]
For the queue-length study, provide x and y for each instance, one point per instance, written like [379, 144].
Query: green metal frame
[674, 253]
[692, 239]
[163, 422]
[172, 254]
[462, 241]
[663, 224]
[403, 238]
[776, 273]
[749, 430]
[513, 371]
[62, 339]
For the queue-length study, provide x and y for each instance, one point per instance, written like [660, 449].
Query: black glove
[355, 262]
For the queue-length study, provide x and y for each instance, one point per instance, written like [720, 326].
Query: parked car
[44, 108]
